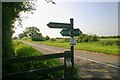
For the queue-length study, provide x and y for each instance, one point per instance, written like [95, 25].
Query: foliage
[21, 35]
[66, 39]
[52, 39]
[102, 46]
[26, 39]
[22, 50]
[26, 50]
[33, 33]
[110, 41]
[118, 36]
[47, 38]
[10, 13]
[50, 1]
[87, 38]
[14, 38]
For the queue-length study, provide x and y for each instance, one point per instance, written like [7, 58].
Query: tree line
[118, 36]
[34, 34]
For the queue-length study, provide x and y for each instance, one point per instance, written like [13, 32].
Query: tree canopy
[33, 33]
[10, 13]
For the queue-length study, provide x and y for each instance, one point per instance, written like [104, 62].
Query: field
[104, 45]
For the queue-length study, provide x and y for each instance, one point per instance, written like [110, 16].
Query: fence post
[68, 65]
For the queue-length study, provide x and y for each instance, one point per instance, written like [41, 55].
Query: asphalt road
[91, 64]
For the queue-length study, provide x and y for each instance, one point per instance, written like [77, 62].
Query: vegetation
[26, 50]
[47, 38]
[33, 33]
[10, 13]
[87, 38]
[107, 46]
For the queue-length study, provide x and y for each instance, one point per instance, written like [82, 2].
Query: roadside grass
[22, 49]
[98, 47]
[106, 46]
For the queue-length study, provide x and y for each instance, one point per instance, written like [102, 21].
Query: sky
[100, 18]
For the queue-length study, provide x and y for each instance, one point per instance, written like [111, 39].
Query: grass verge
[88, 46]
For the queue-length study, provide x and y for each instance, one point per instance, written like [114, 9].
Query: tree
[14, 38]
[10, 13]
[33, 33]
[47, 38]
[21, 35]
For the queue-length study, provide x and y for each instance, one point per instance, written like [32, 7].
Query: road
[91, 64]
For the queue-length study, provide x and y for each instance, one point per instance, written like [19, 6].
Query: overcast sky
[100, 18]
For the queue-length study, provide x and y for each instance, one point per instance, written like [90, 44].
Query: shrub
[87, 38]
[52, 39]
[26, 38]
[66, 39]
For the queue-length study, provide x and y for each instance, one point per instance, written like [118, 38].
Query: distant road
[91, 64]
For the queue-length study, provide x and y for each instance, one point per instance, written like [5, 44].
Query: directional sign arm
[66, 32]
[58, 25]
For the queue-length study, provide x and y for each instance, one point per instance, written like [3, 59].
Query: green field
[104, 45]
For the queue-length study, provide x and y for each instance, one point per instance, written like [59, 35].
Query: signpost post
[72, 48]
[68, 30]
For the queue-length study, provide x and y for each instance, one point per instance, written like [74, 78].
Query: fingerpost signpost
[68, 30]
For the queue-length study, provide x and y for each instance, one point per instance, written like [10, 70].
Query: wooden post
[72, 49]
[68, 65]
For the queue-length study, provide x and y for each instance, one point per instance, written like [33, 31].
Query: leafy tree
[33, 33]
[47, 38]
[10, 13]
[14, 38]
[95, 38]
[21, 35]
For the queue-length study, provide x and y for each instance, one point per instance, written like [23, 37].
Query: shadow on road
[89, 69]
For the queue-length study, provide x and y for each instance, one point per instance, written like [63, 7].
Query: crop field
[104, 45]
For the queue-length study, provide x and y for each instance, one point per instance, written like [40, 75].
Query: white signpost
[72, 41]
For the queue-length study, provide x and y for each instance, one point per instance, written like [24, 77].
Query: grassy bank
[107, 46]
[22, 50]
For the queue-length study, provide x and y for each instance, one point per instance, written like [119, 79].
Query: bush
[66, 39]
[87, 38]
[52, 39]
[26, 38]
[109, 43]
